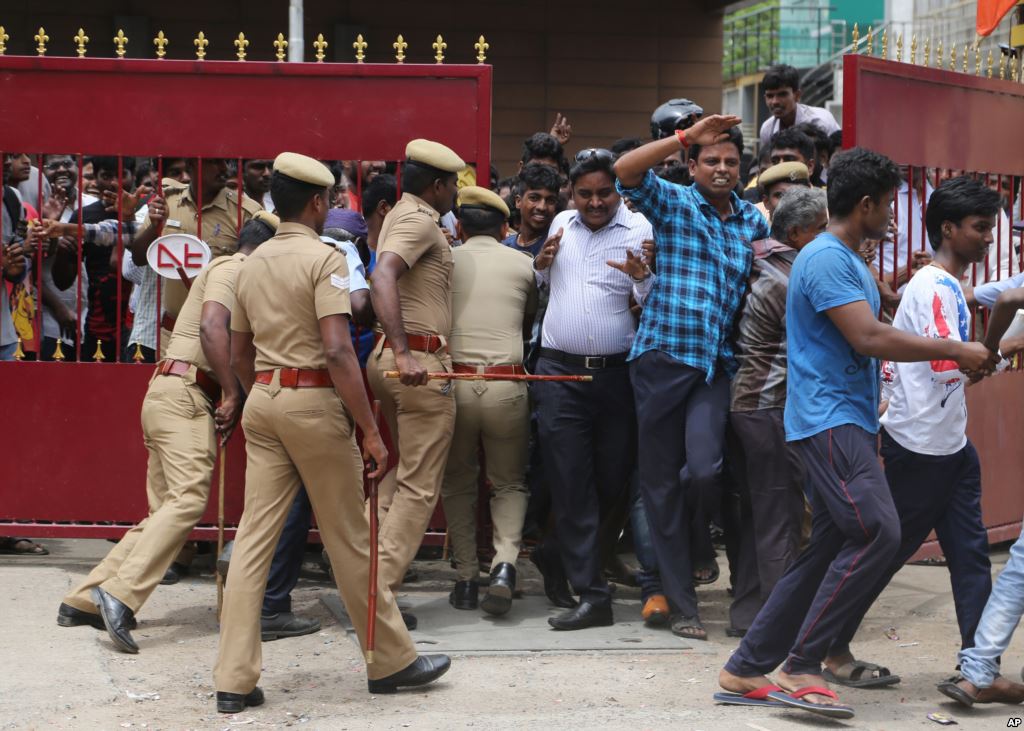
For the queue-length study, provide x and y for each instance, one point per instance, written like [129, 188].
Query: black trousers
[773, 508]
[287, 562]
[588, 441]
[940, 493]
[681, 422]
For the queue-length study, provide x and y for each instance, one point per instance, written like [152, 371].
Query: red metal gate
[74, 464]
[942, 123]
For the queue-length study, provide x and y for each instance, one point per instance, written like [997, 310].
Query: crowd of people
[715, 345]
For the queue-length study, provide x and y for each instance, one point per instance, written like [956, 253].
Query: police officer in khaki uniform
[179, 421]
[219, 225]
[494, 298]
[412, 298]
[292, 351]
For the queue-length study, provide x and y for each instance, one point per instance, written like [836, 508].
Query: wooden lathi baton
[445, 375]
[220, 525]
[371, 601]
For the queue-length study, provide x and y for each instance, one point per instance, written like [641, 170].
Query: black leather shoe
[174, 573]
[426, 669]
[556, 586]
[236, 702]
[498, 599]
[117, 618]
[464, 595]
[68, 616]
[286, 624]
[583, 616]
[410, 621]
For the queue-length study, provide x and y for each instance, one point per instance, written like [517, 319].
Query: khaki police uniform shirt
[220, 229]
[216, 283]
[285, 287]
[412, 230]
[493, 287]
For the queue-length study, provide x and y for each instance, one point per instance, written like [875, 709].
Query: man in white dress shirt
[781, 87]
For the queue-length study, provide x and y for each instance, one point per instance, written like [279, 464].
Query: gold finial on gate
[938, 55]
[201, 42]
[952, 58]
[120, 41]
[3, 40]
[279, 47]
[161, 41]
[360, 46]
[1013, 67]
[856, 37]
[1002, 66]
[913, 49]
[481, 47]
[885, 43]
[899, 48]
[439, 45]
[928, 51]
[988, 73]
[870, 42]
[80, 40]
[963, 64]
[400, 45]
[977, 60]
[41, 38]
[98, 355]
[320, 44]
[137, 356]
[241, 43]
[58, 351]
[19, 352]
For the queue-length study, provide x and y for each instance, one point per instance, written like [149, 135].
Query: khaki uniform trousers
[421, 420]
[496, 414]
[299, 436]
[179, 433]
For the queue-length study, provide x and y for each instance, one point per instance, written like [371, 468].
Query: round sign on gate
[178, 256]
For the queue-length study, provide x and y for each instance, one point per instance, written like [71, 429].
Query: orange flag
[990, 12]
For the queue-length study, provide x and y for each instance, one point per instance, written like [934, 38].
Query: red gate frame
[74, 463]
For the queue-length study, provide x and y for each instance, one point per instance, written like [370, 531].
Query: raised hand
[157, 212]
[54, 206]
[712, 129]
[634, 266]
[547, 253]
[561, 130]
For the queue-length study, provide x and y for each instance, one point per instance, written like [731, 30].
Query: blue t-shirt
[828, 383]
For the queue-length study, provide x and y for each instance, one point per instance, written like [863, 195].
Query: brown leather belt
[180, 367]
[167, 322]
[298, 378]
[423, 343]
[504, 370]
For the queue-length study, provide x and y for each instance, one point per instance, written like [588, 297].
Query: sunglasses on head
[599, 152]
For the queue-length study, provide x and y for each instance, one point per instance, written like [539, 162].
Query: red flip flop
[756, 697]
[795, 699]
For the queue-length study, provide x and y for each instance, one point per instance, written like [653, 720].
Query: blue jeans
[7, 351]
[980, 664]
[648, 576]
[287, 563]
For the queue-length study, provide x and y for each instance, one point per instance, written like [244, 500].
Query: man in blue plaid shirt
[682, 358]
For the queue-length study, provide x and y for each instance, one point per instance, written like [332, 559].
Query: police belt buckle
[594, 362]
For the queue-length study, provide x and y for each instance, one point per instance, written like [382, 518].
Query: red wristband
[681, 136]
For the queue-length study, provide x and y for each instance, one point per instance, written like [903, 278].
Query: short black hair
[109, 164]
[537, 176]
[735, 137]
[481, 221]
[793, 138]
[592, 164]
[622, 146]
[382, 188]
[542, 145]
[956, 199]
[254, 233]
[836, 140]
[290, 196]
[780, 76]
[856, 173]
[417, 177]
[143, 170]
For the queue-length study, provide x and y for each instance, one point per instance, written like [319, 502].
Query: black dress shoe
[286, 624]
[556, 586]
[464, 595]
[236, 702]
[425, 669]
[498, 599]
[410, 620]
[583, 616]
[68, 616]
[174, 573]
[117, 618]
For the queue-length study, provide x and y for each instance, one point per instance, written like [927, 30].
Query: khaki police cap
[473, 195]
[435, 155]
[788, 172]
[268, 218]
[303, 168]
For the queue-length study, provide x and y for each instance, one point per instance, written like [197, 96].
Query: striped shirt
[588, 306]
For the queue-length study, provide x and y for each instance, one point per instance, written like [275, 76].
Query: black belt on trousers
[590, 362]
